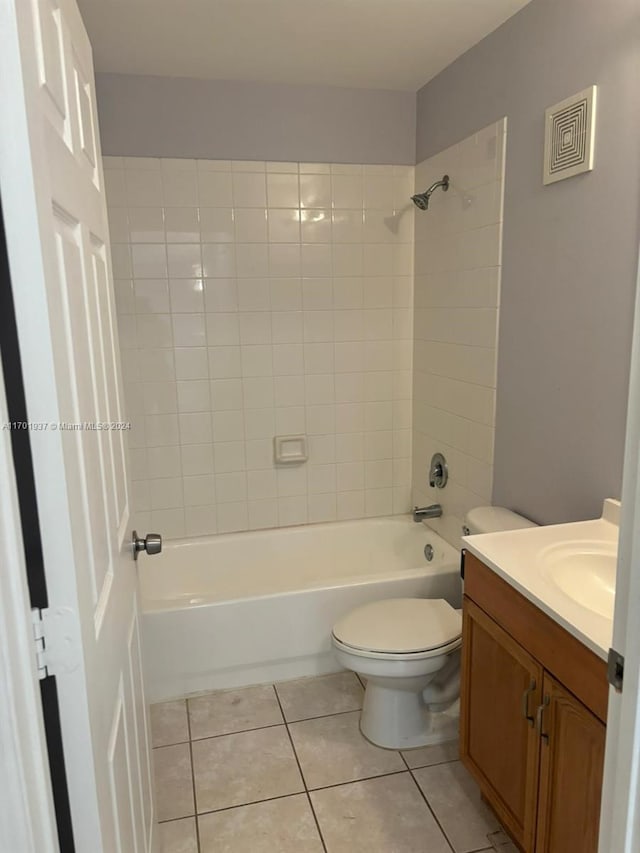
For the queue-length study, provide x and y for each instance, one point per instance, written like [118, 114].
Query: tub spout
[422, 512]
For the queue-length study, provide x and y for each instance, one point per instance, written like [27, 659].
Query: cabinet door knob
[539, 713]
[525, 702]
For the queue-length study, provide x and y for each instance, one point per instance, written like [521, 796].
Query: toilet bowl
[408, 649]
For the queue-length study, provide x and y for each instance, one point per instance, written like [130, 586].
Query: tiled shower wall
[261, 299]
[457, 293]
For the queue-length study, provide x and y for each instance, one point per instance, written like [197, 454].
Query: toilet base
[399, 719]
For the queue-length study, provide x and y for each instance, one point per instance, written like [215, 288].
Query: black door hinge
[615, 669]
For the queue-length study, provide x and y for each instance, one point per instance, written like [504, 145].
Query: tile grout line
[285, 796]
[254, 729]
[306, 790]
[304, 781]
[433, 814]
[193, 777]
[356, 781]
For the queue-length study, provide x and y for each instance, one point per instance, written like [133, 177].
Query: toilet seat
[400, 629]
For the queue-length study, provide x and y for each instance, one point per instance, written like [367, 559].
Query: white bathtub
[246, 608]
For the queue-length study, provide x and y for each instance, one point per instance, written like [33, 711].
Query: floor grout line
[306, 789]
[434, 764]
[434, 815]
[324, 716]
[356, 781]
[251, 803]
[304, 781]
[193, 780]
[240, 732]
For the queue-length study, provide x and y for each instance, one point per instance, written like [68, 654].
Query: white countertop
[515, 556]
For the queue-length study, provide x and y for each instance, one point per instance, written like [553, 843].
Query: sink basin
[585, 571]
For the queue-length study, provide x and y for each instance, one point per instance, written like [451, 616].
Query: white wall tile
[215, 189]
[151, 296]
[291, 511]
[290, 420]
[315, 191]
[315, 225]
[347, 191]
[315, 259]
[216, 225]
[231, 487]
[350, 505]
[248, 166]
[145, 225]
[154, 330]
[223, 329]
[250, 225]
[257, 299]
[189, 330]
[249, 190]
[221, 294]
[284, 260]
[114, 183]
[200, 520]
[226, 394]
[195, 428]
[149, 261]
[280, 166]
[218, 260]
[263, 514]
[229, 456]
[284, 224]
[314, 168]
[287, 327]
[227, 425]
[262, 485]
[322, 508]
[164, 462]
[225, 362]
[252, 260]
[457, 277]
[179, 188]
[187, 296]
[198, 491]
[193, 395]
[232, 517]
[283, 190]
[144, 188]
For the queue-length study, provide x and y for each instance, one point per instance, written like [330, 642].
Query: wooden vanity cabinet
[571, 768]
[501, 688]
[533, 713]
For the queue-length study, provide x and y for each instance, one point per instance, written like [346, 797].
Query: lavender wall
[570, 250]
[214, 119]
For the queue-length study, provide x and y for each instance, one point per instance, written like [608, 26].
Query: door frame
[27, 815]
[620, 814]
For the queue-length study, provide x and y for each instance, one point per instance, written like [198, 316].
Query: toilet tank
[493, 519]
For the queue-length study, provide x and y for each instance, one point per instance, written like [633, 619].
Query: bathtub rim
[449, 557]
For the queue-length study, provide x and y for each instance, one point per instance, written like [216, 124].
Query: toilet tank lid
[492, 519]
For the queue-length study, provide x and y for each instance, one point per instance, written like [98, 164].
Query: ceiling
[373, 44]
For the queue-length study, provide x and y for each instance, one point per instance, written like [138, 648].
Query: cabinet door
[571, 769]
[500, 691]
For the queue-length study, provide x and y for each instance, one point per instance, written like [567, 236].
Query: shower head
[421, 200]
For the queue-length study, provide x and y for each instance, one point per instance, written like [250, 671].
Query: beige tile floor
[284, 769]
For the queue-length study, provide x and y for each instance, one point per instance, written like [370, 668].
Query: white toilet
[408, 649]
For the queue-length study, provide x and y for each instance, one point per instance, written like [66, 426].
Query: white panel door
[54, 207]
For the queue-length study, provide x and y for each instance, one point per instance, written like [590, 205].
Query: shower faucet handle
[438, 471]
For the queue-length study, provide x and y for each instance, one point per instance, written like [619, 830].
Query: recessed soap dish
[290, 449]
